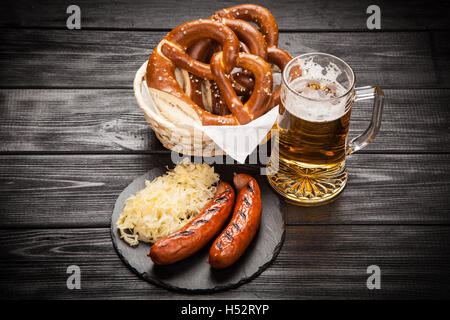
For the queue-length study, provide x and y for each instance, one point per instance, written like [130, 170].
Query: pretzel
[192, 83]
[179, 74]
[218, 104]
[262, 91]
[269, 28]
[244, 81]
[248, 35]
[257, 14]
[244, 48]
[251, 40]
[176, 42]
[209, 96]
[171, 53]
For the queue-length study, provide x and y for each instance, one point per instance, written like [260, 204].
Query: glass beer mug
[307, 164]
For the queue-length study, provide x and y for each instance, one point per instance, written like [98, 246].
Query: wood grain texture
[80, 190]
[99, 59]
[95, 120]
[315, 262]
[74, 120]
[441, 55]
[72, 138]
[290, 14]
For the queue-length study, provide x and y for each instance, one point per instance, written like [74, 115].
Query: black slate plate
[194, 274]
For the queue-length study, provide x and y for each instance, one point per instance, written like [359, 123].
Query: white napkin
[236, 141]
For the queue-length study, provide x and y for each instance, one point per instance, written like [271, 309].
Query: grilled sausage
[236, 237]
[198, 232]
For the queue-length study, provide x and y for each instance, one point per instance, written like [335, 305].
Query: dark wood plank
[315, 262]
[290, 14]
[55, 192]
[80, 190]
[94, 120]
[99, 59]
[73, 120]
[73, 59]
[441, 52]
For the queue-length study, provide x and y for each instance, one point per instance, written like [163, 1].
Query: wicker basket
[181, 138]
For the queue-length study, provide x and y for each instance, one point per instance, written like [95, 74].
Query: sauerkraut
[167, 203]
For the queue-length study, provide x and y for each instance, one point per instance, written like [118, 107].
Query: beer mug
[307, 164]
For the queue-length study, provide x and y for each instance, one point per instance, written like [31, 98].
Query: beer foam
[314, 70]
[316, 83]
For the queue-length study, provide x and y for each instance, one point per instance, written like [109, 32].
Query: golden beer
[313, 142]
[307, 164]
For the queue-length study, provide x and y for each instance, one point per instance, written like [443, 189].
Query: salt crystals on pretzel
[190, 71]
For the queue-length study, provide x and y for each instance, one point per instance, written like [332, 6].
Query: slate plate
[194, 274]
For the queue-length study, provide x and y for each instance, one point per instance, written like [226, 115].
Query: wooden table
[72, 138]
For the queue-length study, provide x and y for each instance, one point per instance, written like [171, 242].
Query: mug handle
[365, 93]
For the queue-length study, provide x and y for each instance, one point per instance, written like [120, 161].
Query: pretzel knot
[269, 28]
[262, 91]
[218, 41]
[180, 38]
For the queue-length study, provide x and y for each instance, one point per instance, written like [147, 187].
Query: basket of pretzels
[211, 72]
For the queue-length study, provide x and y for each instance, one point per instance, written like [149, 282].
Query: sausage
[236, 237]
[197, 233]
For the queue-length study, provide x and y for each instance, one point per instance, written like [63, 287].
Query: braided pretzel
[257, 14]
[192, 83]
[251, 41]
[268, 25]
[170, 53]
[244, 81]
[262, 91]
[176, 42]
[269, 28]
[185, 51]
[209, 94]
